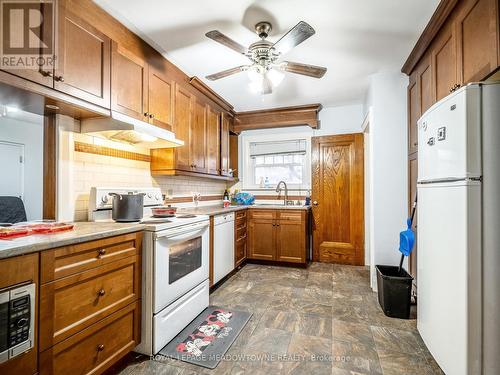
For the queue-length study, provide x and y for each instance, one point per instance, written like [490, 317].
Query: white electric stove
[175, 286]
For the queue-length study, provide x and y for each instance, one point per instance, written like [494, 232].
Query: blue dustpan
[406, 239]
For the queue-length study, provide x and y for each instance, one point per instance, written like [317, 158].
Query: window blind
[289, 147]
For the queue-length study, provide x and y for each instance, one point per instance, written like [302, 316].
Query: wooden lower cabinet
[89, 304]
[96, 348]
[18, 270]
[278, 235]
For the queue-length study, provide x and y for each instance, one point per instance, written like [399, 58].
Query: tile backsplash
[80, 171]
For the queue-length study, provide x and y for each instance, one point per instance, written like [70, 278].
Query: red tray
[10, 232]
[44, 228]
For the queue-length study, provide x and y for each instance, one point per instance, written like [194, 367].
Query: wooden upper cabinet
[182, 126]
[213, 141]
[424, 74]
[84, 60]
[477, 36]
[161, 92]
[444, 62]
[129, 83]
[224, 145]
[198, 138]
[42, 76]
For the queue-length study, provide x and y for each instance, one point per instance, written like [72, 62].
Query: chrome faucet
[279, 189]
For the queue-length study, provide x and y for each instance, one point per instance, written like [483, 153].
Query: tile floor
[323, 320]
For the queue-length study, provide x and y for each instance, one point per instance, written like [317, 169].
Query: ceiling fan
[266, 71]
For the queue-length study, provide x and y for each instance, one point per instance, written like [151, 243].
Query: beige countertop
[82, 232]
[218, 209]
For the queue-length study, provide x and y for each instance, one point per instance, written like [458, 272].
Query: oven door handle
[172, 233]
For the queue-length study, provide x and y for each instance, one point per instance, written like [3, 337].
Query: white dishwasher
[223, 245]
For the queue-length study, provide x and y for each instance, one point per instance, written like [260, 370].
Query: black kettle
[127, 207]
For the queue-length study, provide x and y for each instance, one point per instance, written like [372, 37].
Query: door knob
[315, 203]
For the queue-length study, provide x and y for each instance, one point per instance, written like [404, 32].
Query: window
[275, 161]
[289, 168]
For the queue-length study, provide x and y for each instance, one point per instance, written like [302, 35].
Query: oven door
[180, 262]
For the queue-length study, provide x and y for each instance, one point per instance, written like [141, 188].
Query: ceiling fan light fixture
[276, 76]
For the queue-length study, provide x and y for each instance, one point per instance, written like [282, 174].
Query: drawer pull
[101, 293]
[101, 252]
[100, 347]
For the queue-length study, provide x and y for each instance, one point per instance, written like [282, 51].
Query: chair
[12, 210]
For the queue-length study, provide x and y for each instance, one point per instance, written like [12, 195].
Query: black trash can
[394, 291]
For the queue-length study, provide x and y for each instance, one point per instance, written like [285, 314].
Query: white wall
[30, 134]
[386, 105]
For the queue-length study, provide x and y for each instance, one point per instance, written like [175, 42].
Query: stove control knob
[150, 195]
[104, 199]
[157, 197]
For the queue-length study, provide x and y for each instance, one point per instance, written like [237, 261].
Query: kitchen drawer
[241, 214]
[71, 304]
[240, 252]
[241, 234]
[262, 214]
[297, 215]
[96, 348]
[69, 260]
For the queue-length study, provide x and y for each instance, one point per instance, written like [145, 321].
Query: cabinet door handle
[101, 252]
[100, 347]
[59, 78]
[151, 116]
[315, 203]
[46, 73]
[101, 292]
[146, 114]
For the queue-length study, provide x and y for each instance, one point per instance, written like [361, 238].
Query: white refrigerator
[458, 230]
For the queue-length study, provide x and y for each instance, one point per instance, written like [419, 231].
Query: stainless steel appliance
[17, 318]
[458, 221]
[175, 256]
[127, 207]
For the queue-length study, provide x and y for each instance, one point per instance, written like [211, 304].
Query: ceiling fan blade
[294, 37]
[267, 85]
[226, 41]
[225, 73]
[304, 69]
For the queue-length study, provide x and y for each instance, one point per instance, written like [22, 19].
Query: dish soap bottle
[225, 200]
[266, 183]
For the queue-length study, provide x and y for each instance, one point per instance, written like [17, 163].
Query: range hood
[123, 128]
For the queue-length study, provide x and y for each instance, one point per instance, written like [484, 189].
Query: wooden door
[213, 141]
[444, 62]
[477, 39]
[224, 146]
[129, 83]
[412, 191]
[413, 112]
[262, 235]
[43, 75]
[291, 237]
[161, 91]
[84, 60]
[198, 140]
[338, 199]
[182, 126]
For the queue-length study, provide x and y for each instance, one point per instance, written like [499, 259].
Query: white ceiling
[353, 39]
